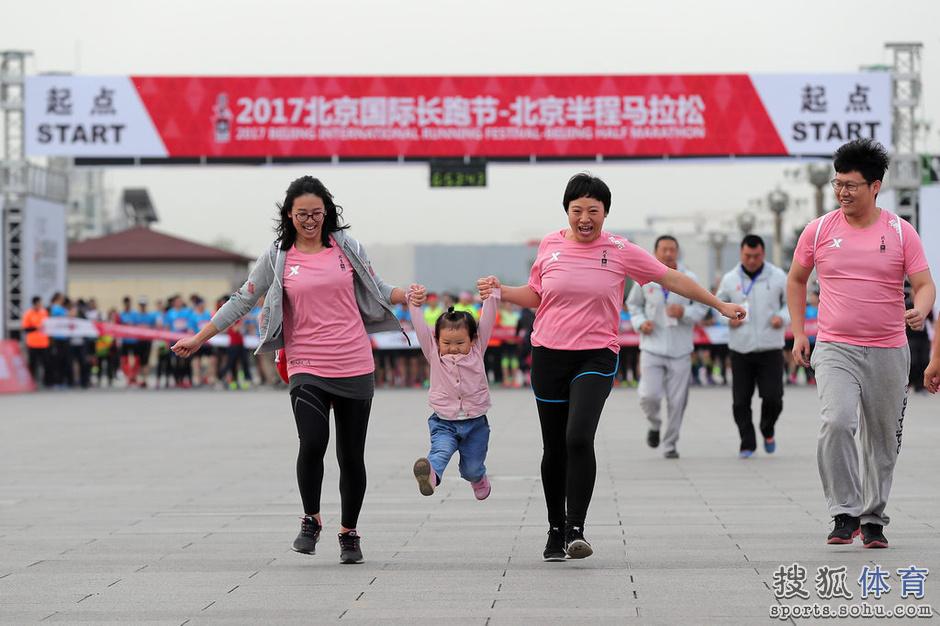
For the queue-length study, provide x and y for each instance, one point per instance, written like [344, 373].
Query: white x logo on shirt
[836, 243]
[294, 270]
[555, 256]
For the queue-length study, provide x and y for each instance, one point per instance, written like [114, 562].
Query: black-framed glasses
[303, 217]
[850, 186]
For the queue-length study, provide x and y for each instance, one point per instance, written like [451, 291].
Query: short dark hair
[332, 221]
[584, 185]
[37, 300]
[865, 156]
[665, 238]
[456, 320]
[753, 241]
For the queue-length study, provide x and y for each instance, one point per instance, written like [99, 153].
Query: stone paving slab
[179, 508]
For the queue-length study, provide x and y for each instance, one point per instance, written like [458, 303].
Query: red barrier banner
[388, 117]
[14, 374]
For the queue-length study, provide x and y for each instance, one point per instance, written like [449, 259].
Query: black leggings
[311, 413]
[571, 387]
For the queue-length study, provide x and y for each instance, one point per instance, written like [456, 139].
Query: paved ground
[180, 507]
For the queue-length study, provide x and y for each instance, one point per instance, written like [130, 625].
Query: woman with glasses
[321, 299]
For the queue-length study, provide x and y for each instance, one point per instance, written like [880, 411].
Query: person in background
[37, 343]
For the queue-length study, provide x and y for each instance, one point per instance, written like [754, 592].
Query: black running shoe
[873, 536]
[349, 550]
[575, 544]
[845, 529]
[306, 541]
[555, 546]
[652, 438]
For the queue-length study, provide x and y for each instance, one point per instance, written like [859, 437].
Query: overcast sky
[389, 203]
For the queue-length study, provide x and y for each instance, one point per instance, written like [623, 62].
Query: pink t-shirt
[861, 277]
[323, 330]
[581, 285]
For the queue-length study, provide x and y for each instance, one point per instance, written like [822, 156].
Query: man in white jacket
[756, 343]
[665, 321]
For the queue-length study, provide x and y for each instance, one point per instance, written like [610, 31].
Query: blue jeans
[470, 437]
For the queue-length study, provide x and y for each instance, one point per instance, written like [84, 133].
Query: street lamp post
[777, 201]
[717, 239]
[819, 175]
[746, 221]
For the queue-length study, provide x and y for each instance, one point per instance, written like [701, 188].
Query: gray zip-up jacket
[649, 303]
[764, 299]
[373, 295]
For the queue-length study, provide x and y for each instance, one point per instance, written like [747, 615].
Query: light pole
[717, 239]
[746, 221]
[819, 175]
[777, 201]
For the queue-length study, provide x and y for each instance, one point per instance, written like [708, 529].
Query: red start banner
[14, 374]
[454, 116]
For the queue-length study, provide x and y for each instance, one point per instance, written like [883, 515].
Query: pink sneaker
[481, 488]
[425, 476]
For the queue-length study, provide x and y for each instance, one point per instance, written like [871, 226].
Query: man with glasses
[861, 254]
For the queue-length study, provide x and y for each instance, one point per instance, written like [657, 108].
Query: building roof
[144, 244]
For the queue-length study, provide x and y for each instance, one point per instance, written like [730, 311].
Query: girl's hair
[456, 320]
[332, 221]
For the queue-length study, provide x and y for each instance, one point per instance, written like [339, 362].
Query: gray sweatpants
[861, 389]
[664, 376]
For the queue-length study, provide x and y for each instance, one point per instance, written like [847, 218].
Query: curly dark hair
[332, 221]
[865, 156]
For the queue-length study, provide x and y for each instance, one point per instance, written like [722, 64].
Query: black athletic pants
[766, 370]
[571, 387]
[312, 414]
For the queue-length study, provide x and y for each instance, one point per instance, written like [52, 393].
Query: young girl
[459, 393]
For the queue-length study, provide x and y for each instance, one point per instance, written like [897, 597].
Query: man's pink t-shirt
[581, 285]
[861, 277]
[323, 330]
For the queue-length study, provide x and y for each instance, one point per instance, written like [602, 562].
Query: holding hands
[417, 294]
[487, 285]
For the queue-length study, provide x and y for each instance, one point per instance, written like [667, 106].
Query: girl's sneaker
[425, 476]
[350, 551]
[481, 488]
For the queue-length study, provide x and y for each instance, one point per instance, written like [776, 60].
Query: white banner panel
[3, 275]
[815, 114]
[88, 116]
[930, 229]
[44, 249]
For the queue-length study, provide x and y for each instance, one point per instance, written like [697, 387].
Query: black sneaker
[652, 438]
[575, 544]
[349, 550]
[873, 536]
[306, 541]
[845, 529]
[555, 546]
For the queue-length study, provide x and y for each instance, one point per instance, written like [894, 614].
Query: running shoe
[652, 438]
[844, 530]
[349, 550]
[770, 445]
[873, 536]
[555, 546]
[425, 476]
[481, 488]
[575, 545]
[306, 541]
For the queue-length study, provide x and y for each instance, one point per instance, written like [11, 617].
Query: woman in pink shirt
[459, 393]
[321, 298]
[577, 286]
